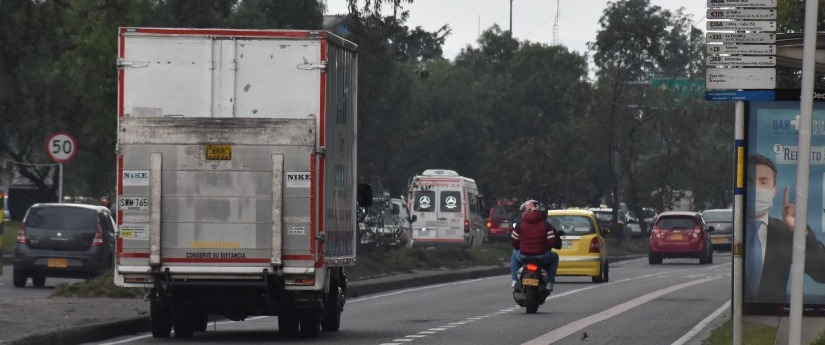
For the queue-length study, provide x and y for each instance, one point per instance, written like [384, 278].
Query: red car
[502, 216]
[680, 235]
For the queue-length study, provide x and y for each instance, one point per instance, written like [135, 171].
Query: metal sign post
[741, 60]
[803, 172]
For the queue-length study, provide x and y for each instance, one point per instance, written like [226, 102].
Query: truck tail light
[466, 226]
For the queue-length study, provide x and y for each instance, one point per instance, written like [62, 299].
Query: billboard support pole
[803, 172]
[738, 221]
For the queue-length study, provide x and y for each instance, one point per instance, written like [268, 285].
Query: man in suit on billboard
[769, 240]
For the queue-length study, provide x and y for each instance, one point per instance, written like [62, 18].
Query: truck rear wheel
[311, 325]
[184, 324]
[201, 320]
[161, 322]
[332, 311]
[287, 326]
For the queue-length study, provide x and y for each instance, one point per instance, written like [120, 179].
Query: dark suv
[63, 240]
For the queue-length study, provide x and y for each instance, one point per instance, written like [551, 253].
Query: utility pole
[511, 17]
[556, 26]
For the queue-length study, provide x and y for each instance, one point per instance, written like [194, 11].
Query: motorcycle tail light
[532, 267]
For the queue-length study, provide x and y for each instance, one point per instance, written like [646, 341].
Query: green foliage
[9, 236]
[101, 286]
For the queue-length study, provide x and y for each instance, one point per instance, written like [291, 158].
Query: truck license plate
[58, 263]
[530, 282]
[219, 152]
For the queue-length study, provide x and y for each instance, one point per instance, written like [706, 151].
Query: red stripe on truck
[319, 260]
[204, 260]
[224, 32]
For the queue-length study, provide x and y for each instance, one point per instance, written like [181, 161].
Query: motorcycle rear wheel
[532, 300]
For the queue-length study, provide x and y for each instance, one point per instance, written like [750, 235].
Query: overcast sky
[533, 20]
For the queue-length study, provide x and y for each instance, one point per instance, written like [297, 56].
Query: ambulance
[447, 210]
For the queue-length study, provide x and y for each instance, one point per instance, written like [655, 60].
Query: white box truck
[236, 175]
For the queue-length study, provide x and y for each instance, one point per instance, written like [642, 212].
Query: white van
[447, 210]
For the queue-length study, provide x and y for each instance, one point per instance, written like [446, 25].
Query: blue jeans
[550, 258]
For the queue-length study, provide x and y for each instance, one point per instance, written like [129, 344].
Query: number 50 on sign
[61, 147]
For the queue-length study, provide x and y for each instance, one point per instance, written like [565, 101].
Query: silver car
[722, 221]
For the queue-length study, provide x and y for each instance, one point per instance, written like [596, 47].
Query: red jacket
[533, 235]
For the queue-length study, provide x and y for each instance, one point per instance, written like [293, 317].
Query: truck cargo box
[236, 154]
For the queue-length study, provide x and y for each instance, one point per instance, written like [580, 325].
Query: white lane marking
[575, 326]
[416, 336]
[403, 339]
[427, 332]
[702, 324]
[437, 329]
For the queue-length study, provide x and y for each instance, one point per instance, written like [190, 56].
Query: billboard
[771, 160]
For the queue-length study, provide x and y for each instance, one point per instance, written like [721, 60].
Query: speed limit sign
[61, 147]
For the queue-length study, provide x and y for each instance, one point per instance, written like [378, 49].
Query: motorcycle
[530, 289]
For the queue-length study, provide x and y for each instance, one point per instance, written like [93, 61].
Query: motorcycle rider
[534, 237]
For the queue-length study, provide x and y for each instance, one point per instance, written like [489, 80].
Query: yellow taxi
[583, 252]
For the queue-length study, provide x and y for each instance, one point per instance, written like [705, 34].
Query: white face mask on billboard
[763, 201]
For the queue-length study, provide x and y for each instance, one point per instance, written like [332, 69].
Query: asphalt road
[8, 291]
[642, 304]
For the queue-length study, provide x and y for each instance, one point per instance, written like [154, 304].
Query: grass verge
[752, 334]
[9, 235]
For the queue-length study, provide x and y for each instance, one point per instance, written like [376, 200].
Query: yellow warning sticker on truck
[222, 152]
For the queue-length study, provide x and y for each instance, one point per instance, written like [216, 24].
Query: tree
[277, 14]
[637, 42]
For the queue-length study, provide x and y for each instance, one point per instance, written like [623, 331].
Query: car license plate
[676, 237]
[58, 263]
[530, 282]
[566, 244]
[219, 152]
[719, 240]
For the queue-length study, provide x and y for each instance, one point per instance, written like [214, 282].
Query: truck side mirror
[364, 195]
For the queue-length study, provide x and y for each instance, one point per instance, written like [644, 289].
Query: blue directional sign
[740, 95]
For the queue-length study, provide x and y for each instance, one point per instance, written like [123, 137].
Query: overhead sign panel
[741, 61]
[741, 25]
[740, 78]
[749, 49]
[740, 37]
[751, 14]
[742, 3]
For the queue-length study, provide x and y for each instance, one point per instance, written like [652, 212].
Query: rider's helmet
[530, 205]
[104, 201]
